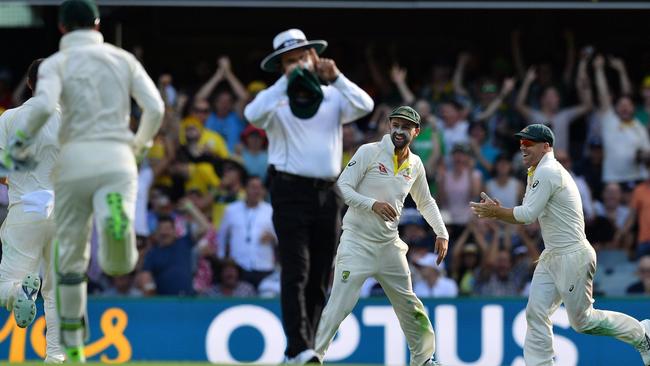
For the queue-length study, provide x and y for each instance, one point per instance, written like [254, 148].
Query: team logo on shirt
[536, 183]
[407, 174]
[344, 276]
[352, 163]
[382, 169]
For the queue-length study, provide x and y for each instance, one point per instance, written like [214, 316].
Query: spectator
[550, 112]
[253, 151]
[643, 272]
[639, 207]
[643, 111]
[433, 281]
[352, 137]
[613, 208]
[247, 235]
[585, 192]
[230, 189]
[455, 127]
[591, 167]
[167, 268]
[485, 153]
[429, 143]
[504, 187]
[624, 137]
[122, 286]
[230, 283]
[458, 186]
[227, 117]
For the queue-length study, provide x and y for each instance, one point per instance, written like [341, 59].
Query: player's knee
[581, 325]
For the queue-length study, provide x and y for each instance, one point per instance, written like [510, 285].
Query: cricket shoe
[432, 362]
[76, 354]
[644, 348]
[307, 356]
[25, 303]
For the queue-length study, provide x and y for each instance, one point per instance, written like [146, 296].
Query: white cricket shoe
[644, 348]
[25, 303]
[307, 356]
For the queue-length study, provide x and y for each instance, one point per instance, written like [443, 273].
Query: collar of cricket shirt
[81, 37]
[387, 144]
[547, 157]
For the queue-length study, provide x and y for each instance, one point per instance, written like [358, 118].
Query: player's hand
[325, 67]
[385, 211]
[19, 156]
[140, 151]
[441, 249]
[486, 208]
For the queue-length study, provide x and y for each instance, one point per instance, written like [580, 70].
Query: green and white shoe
[75, 354]
[25, 304]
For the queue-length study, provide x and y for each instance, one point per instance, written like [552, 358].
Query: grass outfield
[181, 363]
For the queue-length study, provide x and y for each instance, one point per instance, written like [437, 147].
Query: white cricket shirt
[94, 82]
[372, 175]
[553, 197]
[44, 148]
[311, 147]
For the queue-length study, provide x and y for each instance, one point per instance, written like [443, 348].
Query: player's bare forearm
[506, 215]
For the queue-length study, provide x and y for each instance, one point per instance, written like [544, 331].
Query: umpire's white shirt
[553, 197]
[36, 185]
[372, 175]
[309, 147]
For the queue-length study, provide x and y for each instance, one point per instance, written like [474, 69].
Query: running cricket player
[565, 271]
[95, 176]
[28, 230]
[374, 185]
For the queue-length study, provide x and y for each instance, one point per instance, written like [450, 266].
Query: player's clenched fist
[385, 211]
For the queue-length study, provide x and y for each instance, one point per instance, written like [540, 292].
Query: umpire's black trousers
[307, 220]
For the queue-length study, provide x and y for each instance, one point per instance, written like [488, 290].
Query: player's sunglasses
[527, 142]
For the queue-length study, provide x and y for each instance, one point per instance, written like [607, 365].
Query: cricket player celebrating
[565, 271]
[28, 230]
[374, 185]
[96, 173]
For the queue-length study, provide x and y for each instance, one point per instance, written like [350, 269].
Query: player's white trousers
[26, 245]
[356, 260]
[106, 194]
[566, 276]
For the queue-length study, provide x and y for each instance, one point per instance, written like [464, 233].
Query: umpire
[303, 121]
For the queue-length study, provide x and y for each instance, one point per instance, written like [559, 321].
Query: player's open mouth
[398, 137]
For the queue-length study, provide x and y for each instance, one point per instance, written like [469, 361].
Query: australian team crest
[407, 174]
[344, 276]
[382, 169]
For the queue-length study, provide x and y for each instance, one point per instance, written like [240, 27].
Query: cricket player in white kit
[565, 271]
[96, 173]
[374, 185]
[28, 230]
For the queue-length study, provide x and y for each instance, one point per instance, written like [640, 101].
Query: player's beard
[405, 138]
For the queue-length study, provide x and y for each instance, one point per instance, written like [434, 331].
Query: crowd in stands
[204, 224]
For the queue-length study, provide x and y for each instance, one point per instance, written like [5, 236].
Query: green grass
[168, 363]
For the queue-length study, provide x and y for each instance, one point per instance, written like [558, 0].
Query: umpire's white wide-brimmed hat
[286, 41]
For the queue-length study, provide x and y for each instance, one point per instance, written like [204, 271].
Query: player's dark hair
[32, 73]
